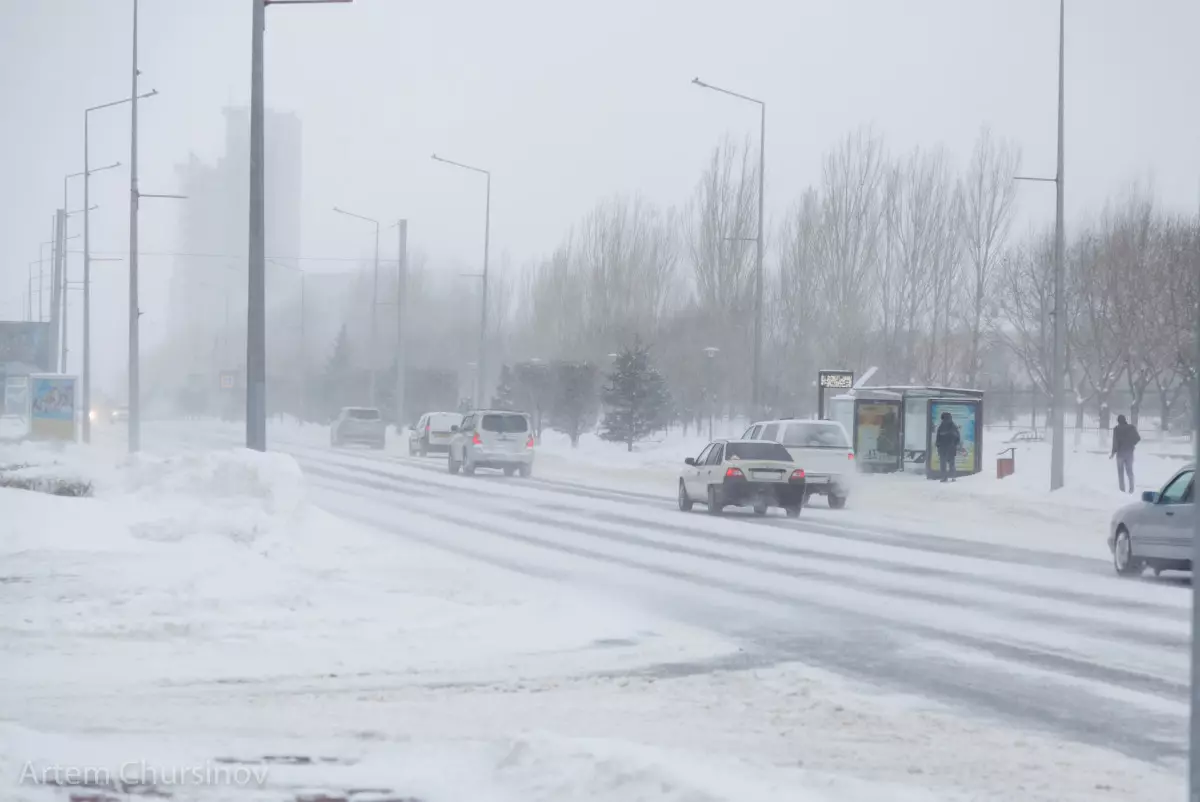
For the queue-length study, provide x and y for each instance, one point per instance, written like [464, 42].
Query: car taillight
[427, 428]
[529, 443]
[797, 475]
[734, 473]
[850, 455]
[475, 440]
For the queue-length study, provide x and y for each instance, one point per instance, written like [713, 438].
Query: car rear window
[815, 434]
[763, 450]
[513, 424]
[442, 421]
[363, 414]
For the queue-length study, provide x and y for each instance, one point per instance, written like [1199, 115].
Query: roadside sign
[228, 379]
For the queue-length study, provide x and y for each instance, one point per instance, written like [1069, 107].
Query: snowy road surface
[969, 668]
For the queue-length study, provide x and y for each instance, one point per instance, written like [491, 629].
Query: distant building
[208, 280]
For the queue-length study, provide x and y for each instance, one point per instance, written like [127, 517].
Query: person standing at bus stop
[947, 442]
[1125, 439]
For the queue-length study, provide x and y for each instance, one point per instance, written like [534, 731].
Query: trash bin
[1006, 466]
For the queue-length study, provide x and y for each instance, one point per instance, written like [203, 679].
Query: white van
[821, 447]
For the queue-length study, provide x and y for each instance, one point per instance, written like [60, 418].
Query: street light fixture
[483, 310]
[374, 351]
[758, 261]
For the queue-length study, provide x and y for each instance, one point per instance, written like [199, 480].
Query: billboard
[877, 446]
[967, 416]
[52, 407]
[27, 344]
[831, 380]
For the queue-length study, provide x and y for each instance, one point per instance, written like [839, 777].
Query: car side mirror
[690, 461]
[1149, 496]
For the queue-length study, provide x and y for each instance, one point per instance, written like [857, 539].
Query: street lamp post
[374, 350]
[256, 332]
[710, 353]
[483, 311]
[755, 389]
[87, 262]
[1058, 360]
[66, 281]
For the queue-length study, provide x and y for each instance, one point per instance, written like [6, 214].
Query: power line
[241, 257]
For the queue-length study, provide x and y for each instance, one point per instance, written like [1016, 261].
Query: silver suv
[492, 439]
[358, 425]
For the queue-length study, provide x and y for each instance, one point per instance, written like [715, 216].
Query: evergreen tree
[505, 397]
[573, 400]
[636, 399]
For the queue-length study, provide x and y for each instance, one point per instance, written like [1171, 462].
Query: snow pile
[239, 493]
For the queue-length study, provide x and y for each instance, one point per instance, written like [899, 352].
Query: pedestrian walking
[1125, 439]
[947, 442]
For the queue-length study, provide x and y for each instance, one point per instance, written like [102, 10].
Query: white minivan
[432, 433]
[821, 447]
[492, 439]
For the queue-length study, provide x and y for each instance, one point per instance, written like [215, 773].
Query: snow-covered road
[1038, 641]
[970, 668]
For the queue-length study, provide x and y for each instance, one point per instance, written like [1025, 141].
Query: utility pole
[256, 339]
[481, 365]
[401, 361]
[1194, 740]
[56, 285]
[401, 321]
[135, 407]
[1060, 305]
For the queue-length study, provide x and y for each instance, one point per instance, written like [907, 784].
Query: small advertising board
[52, 407]
[837, 380]
[877, 435]
[228, 379]
[967, 415]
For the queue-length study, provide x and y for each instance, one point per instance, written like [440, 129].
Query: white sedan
[1158, 530]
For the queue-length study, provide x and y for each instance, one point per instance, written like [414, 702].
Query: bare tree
[985, 208]
[851, 216]
[1026, 306]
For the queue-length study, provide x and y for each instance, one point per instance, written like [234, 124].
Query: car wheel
[714, 508]
[836, 502]
[793, 512]
[452, 463]
[760, 509]
[685, 503]
[526, 471]
[1124, 561]
[509, 471]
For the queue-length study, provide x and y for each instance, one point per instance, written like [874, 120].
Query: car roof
[497, 412]
[797, 420]
[368, 409]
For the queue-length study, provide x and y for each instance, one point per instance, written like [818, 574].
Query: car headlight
[91, 414]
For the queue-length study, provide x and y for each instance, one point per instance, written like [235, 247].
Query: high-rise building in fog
[208, 280]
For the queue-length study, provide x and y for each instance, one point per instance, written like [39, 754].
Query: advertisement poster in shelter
[52, 407]
[877, 446]
[966, 416]
[16, 396]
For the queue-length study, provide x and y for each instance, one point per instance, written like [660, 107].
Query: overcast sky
[567, 103]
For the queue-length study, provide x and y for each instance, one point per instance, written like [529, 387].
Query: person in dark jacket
[947, 441]
[1125, 439]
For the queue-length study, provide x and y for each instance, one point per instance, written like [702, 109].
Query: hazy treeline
[906, 261]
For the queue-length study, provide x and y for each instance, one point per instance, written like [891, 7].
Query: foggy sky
[567, 103]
